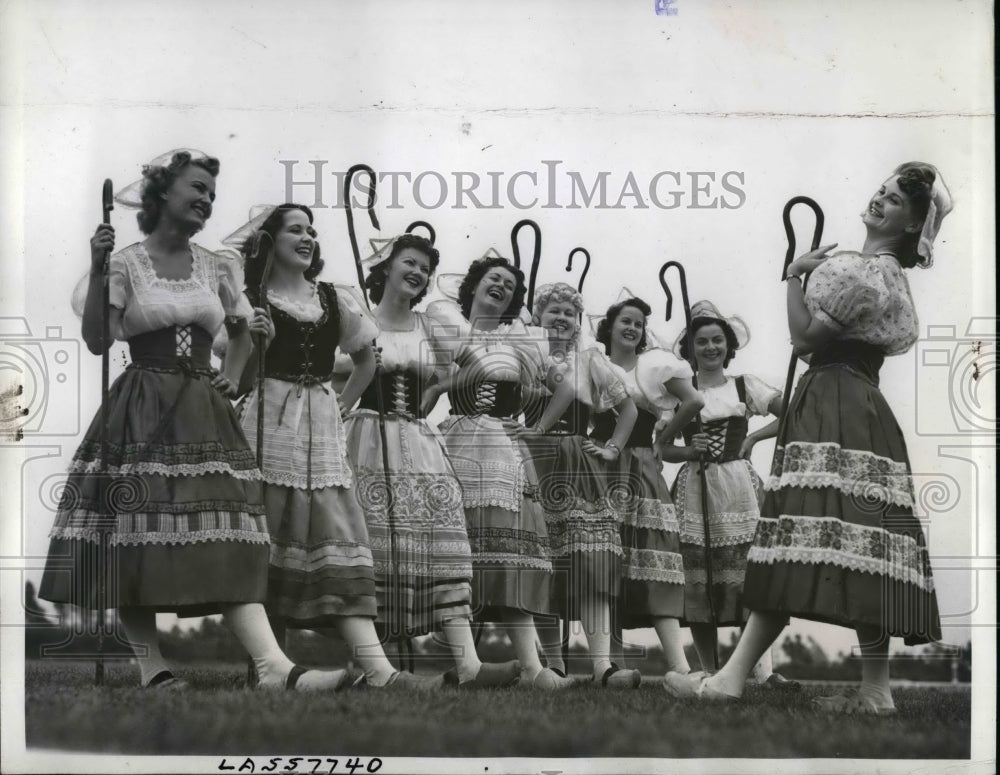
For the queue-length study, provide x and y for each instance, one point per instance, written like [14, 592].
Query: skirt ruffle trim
[511, 560]
[856, 473]
[166, 469]
[92, 535]
[422, 570]
[828, 540]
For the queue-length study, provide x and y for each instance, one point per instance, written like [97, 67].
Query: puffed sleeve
[847, 293]
[357, 325]
[759, 394]
[653, 370]
[119, 287]
[230, 289]
[607, 390]
[449, 328]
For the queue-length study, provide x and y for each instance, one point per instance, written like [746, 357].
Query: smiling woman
[187, 532]
[837, 540]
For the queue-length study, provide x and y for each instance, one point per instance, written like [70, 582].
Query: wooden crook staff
[702, 474]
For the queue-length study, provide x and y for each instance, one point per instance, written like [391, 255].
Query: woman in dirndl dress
[837, 540]
[423, 563]
[659, 384]
[580, 484]
[177, 502]
[321, 574]
[495, 363]
[734, 488]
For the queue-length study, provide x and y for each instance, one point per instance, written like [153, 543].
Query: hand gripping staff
[397, 630]
[702, 478]
[786, 219]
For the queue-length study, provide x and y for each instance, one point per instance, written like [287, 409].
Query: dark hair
[916, 180]
[253, 269]
[477, 270]
[157, 181]
[608, 321]
[732, 343]
[375, 282]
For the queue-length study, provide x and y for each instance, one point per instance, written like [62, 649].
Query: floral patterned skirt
[178, 506]
[423, 564]
[837, 541]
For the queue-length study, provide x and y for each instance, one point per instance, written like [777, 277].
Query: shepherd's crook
[535, 258]
[350, 219]
[586, 265]
[396, 627]
[786, 219]
[107, 205]
[702, 476]
[260, 344]
[431, 234]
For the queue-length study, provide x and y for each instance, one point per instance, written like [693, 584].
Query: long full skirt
[174, 520]
[837, 541]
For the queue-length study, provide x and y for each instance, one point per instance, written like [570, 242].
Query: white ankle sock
[140, 628]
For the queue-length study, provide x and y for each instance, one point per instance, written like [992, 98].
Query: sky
[725, 110]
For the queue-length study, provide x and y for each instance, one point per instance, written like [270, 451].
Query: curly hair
[608, 322]
[478, 270]
[254, 268]
[560, 293]
[375, 282]
[732, 343]
[916, 181]
[157, 181]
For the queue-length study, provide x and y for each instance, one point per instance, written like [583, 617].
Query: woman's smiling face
[409, 273]
[890, 212]
[495, 291]
[627, 330]
[559, 318]
[710, 346]
[295, 241]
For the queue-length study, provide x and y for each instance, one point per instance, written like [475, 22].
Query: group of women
[538, 500]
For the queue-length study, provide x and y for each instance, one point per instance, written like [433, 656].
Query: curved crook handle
[670, 296]
[786, 219]
[431, 234]
[535, 258]
[107, 200]
[350, 219]
[586, 266]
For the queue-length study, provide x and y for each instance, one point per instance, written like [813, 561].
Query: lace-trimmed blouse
[213, 292]
[723, 400]
[864, 298]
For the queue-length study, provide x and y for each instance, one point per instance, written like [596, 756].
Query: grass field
[63, 710]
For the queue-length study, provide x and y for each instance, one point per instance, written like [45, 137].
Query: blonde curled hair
[559, 293]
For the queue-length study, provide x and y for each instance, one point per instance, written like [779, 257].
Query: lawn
[63, 710]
